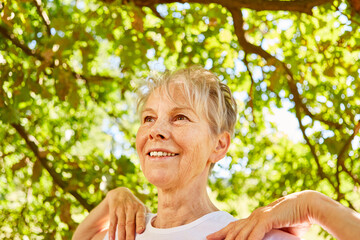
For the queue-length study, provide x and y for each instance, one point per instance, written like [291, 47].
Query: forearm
[96, 221]
[340, 221]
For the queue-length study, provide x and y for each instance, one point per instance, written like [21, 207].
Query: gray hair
[203, 90]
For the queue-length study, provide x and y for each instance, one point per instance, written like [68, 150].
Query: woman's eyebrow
[179, 109]
[186, 109]
[173, 110]
[147, 110]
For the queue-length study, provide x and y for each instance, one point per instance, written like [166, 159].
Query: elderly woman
[187, 119]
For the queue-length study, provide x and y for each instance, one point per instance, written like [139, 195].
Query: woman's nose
[159, 131]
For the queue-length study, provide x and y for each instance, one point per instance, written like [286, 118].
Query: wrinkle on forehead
[176, 92]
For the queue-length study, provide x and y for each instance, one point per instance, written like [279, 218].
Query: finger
[140, 221]
[121, 217]
[219, 235]
[235, 231]
[233, 234]
[243, 231]
[257, 233]
[130, 224]
[112, 226]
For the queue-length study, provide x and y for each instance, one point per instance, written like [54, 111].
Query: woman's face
[174, 143]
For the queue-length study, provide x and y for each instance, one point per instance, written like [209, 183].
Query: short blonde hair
[203, 90]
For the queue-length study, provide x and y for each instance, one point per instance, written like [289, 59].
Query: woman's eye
[181, 117]
[148, 119]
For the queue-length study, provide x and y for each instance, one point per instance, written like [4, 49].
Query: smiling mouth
[161, 154]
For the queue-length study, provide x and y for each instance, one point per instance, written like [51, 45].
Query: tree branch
[240, 34]
[318, 117]
[304, 6]
[350, 204]
[153, 9]
[312, 149]
[251, 102]
[3, 155]
[19, 44]
[35, 54]
[341, 155]
[46, 164]
[250, 48]
[294, 91]
[43, 15]
[337, 186]
[354, 178]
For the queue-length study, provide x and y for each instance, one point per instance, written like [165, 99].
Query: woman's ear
[222, 145]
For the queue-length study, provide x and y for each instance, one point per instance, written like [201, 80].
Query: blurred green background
[69, 70]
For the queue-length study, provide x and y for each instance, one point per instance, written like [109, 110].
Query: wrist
[318, 205]
[312, 203]
[115, 192]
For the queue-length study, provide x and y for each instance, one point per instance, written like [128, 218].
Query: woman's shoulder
[215, 221]
[221, 216]
[149, 216]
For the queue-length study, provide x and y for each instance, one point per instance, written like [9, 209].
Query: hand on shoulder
[294, 213]
[127, 213]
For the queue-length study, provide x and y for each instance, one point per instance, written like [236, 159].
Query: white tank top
[198, 229]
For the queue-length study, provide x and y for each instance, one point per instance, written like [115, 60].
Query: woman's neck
[180, 206]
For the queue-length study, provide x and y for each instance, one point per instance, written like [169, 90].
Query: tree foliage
[69, 69]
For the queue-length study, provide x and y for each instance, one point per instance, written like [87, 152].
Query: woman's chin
[159, 179]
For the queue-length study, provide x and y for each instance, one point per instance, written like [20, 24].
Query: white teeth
[161, 154]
